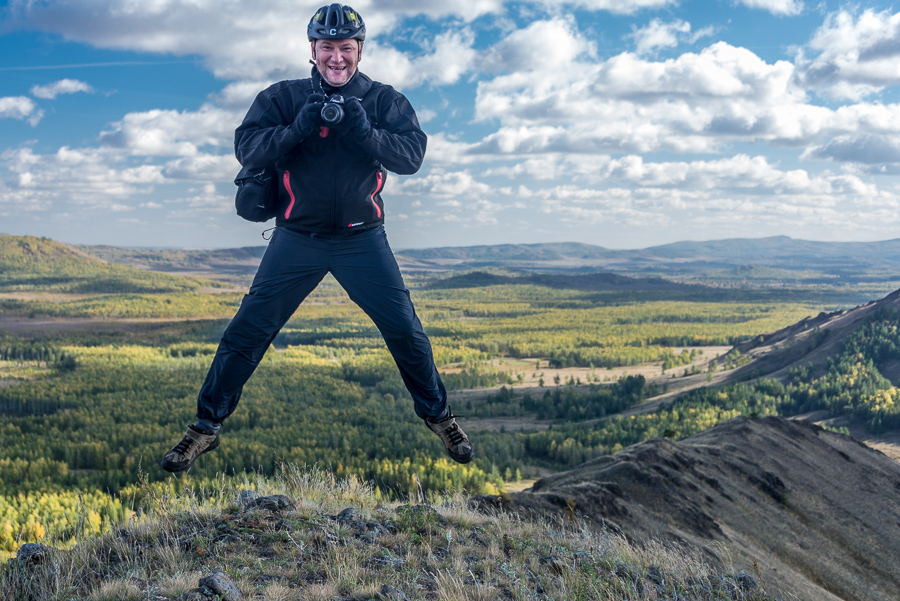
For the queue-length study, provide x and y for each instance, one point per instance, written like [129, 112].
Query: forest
[89, 405]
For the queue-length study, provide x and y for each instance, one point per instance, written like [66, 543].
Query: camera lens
[332, 113]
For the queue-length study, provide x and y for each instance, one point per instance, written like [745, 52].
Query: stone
[270, 503]
[221, 586]
[247, 497]
[392, 593]
[31, 554]
[347, 515]
[746, 582]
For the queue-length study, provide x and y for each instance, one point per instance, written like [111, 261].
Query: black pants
[293, 265]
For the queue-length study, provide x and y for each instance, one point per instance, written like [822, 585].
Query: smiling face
[336, 59]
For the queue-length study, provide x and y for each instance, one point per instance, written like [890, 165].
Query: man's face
[336, 59]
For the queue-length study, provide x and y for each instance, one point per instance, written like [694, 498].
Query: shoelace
[183, 446]
[454, 434]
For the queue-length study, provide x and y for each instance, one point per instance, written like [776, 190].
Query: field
[96, 384]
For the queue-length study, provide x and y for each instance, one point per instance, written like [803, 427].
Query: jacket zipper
[379, 180]
[287, 186]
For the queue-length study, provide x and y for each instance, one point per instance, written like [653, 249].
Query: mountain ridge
[799, 502]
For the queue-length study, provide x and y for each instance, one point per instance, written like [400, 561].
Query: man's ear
[312, 48]
[359, 52]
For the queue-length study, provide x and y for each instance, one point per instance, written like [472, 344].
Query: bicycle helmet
[336, 22]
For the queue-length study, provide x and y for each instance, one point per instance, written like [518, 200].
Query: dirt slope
[812, 340]
[814, 513]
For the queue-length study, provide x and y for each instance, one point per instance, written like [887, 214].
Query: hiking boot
[455, 440]
[182, 456]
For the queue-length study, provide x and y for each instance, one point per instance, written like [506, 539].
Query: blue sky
[624, 124]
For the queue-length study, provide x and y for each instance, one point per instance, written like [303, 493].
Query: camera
[333, 110]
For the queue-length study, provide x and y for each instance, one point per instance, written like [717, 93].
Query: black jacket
[330, 183]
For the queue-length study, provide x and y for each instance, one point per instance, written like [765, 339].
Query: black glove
[308, 119]
[355, 121]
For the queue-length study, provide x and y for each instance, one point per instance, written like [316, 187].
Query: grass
[338, 540]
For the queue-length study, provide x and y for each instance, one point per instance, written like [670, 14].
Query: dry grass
[448, 552]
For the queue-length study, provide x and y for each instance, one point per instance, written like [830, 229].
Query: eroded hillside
[814, 511]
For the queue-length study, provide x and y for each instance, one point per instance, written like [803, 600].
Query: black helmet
[336, 22]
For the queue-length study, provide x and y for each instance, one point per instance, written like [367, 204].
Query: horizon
[401, 249]
[620, 124]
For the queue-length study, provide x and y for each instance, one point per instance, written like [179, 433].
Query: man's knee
[251, 342]
[403, 328]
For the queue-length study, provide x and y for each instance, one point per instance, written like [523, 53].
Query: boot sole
[461, 458]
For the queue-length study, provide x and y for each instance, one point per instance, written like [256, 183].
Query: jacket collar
[358, 85]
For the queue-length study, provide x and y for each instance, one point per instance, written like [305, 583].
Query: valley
[550, 368]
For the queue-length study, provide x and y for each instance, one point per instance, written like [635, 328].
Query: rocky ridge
[815, 512]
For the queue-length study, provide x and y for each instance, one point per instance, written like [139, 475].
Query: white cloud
[452, 185]
[446, 59]
[866, 149]
[541, 46]
[858, 55]
[776, 7]
[21, 108]
[657, 35]
[103, 178]
[697, 102]
[621, 7]
[244, 40]
[238, 96]
[694, 103]
[239, 40]
[201, 201]
[63, 86]
[89, 177]
[202, 167]
[172, 133]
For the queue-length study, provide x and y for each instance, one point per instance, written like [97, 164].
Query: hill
[592, 281]
[29, 264]
[310, 536]
[852, 271]
[777, 251]
[816, 511]
[229, 264]
[811, 343]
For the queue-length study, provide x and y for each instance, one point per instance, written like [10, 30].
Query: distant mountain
[592, 281]
[29, 263]
[777, 252]
[562, 251]
[816, 512]
[223, 260]
[783, 251]
[730, 259]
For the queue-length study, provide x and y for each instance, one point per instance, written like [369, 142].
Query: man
[330, 219]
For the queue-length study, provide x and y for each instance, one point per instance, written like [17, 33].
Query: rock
[746, 582]
[270, 503]
[221, 586]
[247, 497]
[31, 554]
[347, 515]
[392, 593]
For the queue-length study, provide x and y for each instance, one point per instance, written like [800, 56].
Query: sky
[619, 123]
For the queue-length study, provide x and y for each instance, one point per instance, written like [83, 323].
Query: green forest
[89, 405]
